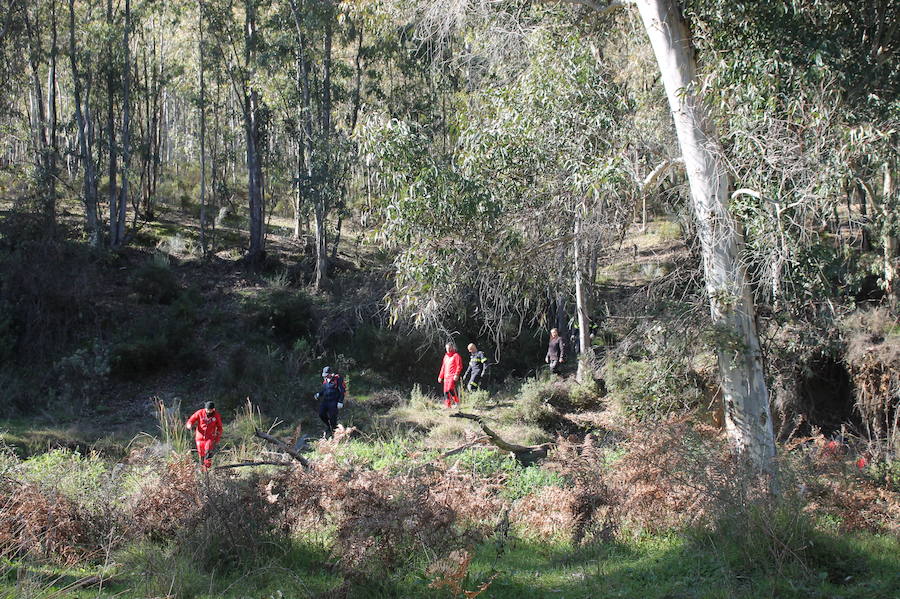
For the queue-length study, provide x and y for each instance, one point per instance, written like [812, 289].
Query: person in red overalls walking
[208, 433]
[451, 368]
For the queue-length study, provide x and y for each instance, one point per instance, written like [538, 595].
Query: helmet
[326, 371]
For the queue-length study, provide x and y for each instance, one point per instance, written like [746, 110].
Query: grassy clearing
[382, 512]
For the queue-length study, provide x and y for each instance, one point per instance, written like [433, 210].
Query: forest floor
[407, 501]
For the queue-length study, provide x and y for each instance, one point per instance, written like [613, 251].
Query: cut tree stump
[526, 454]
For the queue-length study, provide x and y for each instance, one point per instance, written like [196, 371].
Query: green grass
[30, 437]
[645, 567]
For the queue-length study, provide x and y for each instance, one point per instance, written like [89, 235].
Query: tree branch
[523, 453]
[243, 464]
[657, 173]
[600, 9]
[283, 447]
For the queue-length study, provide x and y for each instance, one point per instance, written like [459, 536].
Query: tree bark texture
[251, 127]
[748, 420]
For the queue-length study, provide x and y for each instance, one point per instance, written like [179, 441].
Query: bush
[649, 389]
[248, 371]
[85, 480]
[155, 283]
[585, 396]
[166, 339]
[80, 376]
[535, 403]
[286, 315]
[39, 523]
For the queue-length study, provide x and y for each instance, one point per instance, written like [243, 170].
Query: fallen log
[463, 447]
[283, 447]
[526, 454]
[242, 464]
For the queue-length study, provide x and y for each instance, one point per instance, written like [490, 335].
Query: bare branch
[523, 453]
[281, 445]
[659, 172]
[243, 464]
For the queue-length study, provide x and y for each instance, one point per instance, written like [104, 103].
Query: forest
[449, 299]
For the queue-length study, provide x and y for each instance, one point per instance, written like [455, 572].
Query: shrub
[286, 315]
[80, 376]
[37, 522]
[649, 389]
[248, 371]
[535, 403]
[166, 339]
[669, 231]
[584, 396]
[155, 283]
[83, 479]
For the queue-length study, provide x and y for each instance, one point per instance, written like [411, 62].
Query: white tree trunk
[889, 240]
[584, 322]
[748, 420]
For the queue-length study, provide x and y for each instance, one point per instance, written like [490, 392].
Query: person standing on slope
[477, 366]
[331, 399]
[556, 351]
[208, 432]
[451, 368]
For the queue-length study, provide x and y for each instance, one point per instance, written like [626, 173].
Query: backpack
[332, 388]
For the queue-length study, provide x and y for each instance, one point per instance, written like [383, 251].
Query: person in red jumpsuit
[451, 368]
[208, 432]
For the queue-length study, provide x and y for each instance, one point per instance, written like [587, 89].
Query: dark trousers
[474, 383]
[328, 412]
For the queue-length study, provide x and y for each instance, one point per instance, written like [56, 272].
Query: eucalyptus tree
[806, 97]
[531, 186]
[84, 122]
[748, 419]
[327, 107]
[240, 46]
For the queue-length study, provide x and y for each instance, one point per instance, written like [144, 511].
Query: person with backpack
[208, 432]
[331, 399]
[476, 369]
[451, 368]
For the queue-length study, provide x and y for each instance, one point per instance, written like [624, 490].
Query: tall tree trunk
[38, 119]
[202, 132]
[112, 170]
[889, 207]
[321, 207]
[126, 129]
[53, 150]
[748, 420]
[92, 224]
[581, 301]
[251, 126]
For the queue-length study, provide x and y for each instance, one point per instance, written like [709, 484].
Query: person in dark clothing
[331, 398]
[556, 351]
[476, 369]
